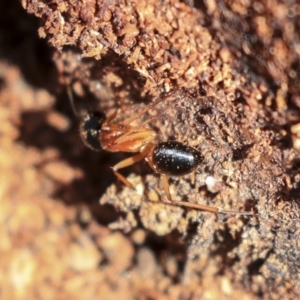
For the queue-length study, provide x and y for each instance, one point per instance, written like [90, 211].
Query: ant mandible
[171, 158]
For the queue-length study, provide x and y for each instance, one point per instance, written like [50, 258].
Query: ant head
[90, 129]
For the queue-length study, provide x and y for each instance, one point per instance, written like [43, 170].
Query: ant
[170, 158]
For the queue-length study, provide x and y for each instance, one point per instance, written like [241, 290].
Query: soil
[222, 76]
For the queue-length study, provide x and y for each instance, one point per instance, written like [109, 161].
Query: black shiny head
[90, 129]
[175, 158]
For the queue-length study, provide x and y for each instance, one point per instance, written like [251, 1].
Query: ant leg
[130, 120]
[123, 179]
[165, 182]
[193, 178]
[151, 105]
[203, 207]
[133, 130]
[212, 209]
[136, 135]
[128, 162]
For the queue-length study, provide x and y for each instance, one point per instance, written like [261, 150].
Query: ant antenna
[150, 106]
[71, 98]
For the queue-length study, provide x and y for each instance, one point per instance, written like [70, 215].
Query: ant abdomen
[175, 158]
[90, 129]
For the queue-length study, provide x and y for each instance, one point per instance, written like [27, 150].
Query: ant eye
[90, 129]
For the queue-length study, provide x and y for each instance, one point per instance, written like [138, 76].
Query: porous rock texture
[227, 73]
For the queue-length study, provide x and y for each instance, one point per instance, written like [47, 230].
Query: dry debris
[228, 73]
